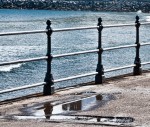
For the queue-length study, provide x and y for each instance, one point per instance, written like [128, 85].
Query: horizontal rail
[75, 53]
[122, 25]
[145, 23]
[118, 25]
[144, 63]
[95, 27]
[119, 68]
[22, 87]
[76, 28]
[143, 44]
[22, 32]
[68, 29]
[23, 61]
[74, 77]
[119, 47]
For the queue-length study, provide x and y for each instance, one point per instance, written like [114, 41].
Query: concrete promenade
[127, 96]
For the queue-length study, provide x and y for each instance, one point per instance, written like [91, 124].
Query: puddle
[48, 110]
[64, 111]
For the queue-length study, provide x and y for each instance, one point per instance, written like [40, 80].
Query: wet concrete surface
[63, 112]
[120, 102]
[49, 110]
[86, 103]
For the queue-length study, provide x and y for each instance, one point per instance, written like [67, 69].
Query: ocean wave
[8, 68]
[147, 18]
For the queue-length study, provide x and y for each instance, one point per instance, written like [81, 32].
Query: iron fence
[99, 73]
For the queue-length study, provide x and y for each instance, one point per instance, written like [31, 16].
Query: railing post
[99, 78]
[49, 77]
[137, 69]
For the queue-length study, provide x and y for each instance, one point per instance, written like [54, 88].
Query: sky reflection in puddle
[47, 109]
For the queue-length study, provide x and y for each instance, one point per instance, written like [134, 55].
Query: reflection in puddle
[83, 104]
[48, 109]
[62, 112]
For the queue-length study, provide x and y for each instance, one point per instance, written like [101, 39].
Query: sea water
[35, 45]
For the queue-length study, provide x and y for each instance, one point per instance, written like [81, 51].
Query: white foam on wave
[8, 68]
[147, 18]
[139, 12]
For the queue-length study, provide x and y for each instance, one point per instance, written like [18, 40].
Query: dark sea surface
[35, 45]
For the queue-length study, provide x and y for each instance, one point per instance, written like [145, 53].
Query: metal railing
[99, 78]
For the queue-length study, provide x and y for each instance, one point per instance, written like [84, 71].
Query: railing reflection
[82, 104]
[48, 109]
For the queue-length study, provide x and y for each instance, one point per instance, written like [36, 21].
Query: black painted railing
[99, 73]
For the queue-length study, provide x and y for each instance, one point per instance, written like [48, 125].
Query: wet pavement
[63, 112]
[123, 101]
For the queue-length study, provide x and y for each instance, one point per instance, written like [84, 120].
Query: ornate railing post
[99, 78]
[49, 77]
[137, 69]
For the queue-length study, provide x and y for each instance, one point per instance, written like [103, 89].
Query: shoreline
[113, 6]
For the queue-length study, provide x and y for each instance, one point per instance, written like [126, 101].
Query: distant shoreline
[114, 6]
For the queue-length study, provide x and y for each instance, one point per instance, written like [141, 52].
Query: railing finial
[49, 27]
[99, 21]
[137, 19]
[48, 24]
